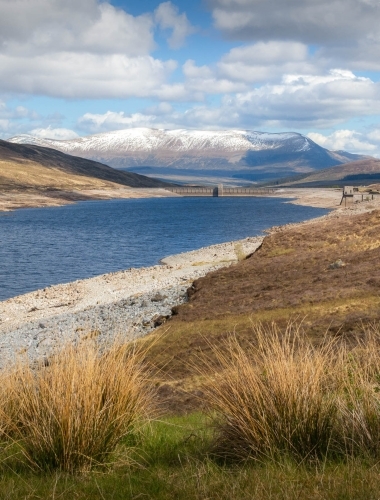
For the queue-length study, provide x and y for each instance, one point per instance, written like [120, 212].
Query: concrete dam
[218, 191]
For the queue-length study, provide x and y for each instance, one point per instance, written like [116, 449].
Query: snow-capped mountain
[196, 154]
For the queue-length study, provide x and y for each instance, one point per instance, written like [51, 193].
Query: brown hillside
[362, 169]
[294, 275]
[27, 166]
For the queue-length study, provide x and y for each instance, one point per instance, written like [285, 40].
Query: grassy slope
[287, 278]
[33, 167]
[334, 175]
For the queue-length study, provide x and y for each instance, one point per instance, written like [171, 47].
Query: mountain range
[231, 156]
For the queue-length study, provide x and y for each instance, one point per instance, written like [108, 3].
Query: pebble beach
[126, 304]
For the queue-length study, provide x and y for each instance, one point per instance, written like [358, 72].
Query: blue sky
[70, 68]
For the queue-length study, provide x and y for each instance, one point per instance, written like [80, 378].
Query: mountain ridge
[359, 172]
[240, 154]
[34, 176]
[53, 159]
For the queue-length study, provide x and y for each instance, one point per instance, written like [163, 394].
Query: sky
[71, 68]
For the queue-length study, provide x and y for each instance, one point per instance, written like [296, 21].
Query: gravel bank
[127, 303]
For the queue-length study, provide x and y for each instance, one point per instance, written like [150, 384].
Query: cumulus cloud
[73, 75]
[344, 31]
[265, 61]
[159, 117]
[167, 17]
[205, 80]
[87, 49]
[111, 120]
[349, 140]
[53, 133]
[308, 100]
[21, 120]
[324, 21]
[248, 65]
[17, 113]
[67, 25]
[299, 102]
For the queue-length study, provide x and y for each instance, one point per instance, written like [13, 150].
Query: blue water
[41, 247]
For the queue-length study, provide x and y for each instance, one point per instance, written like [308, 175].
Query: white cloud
[204, 80]
[310, 21]
[268, 53]
[299, 102]
[167, 16]
[265, 61]
[374, 136]
[94, 123]
[85, 75]
[307, 100]
[159, 117]
[346, 31]
[244, 66]
[42, 26]
[21, 120]
[4, 127]
[53, 133]
[86, 49]
[349, 140]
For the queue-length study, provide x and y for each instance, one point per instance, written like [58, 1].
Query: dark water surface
[45, 246]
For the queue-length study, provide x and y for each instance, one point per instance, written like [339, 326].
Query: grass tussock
[359, 402]
[71, 414]
[285, 396]
[275, 399]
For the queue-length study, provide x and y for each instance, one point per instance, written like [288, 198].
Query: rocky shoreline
[125, 304]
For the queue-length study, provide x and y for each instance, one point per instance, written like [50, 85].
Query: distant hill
[35, 167]
[230, 156]
[360, 172]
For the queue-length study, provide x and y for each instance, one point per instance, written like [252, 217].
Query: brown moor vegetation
[291, 277]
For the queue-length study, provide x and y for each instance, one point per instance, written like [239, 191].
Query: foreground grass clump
[284, 396]
[274, 399]
[359, 402]
[72, 414]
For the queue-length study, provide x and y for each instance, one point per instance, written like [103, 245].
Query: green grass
[172, 464]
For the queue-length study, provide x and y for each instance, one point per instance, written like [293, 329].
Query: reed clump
[359, 401]
[275, 398]
[72, 413]
[285, 397]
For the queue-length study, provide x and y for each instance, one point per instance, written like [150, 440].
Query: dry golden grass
[33, 175]
[284, 397]
[71, 414]
[359, 403]
[275, 398]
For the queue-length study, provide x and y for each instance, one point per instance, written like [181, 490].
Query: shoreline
[9, 201]
[128, 303]
[131, 302]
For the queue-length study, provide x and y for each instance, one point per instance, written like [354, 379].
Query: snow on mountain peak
[180, 140]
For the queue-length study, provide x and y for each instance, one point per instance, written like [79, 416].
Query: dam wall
[219, 190]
